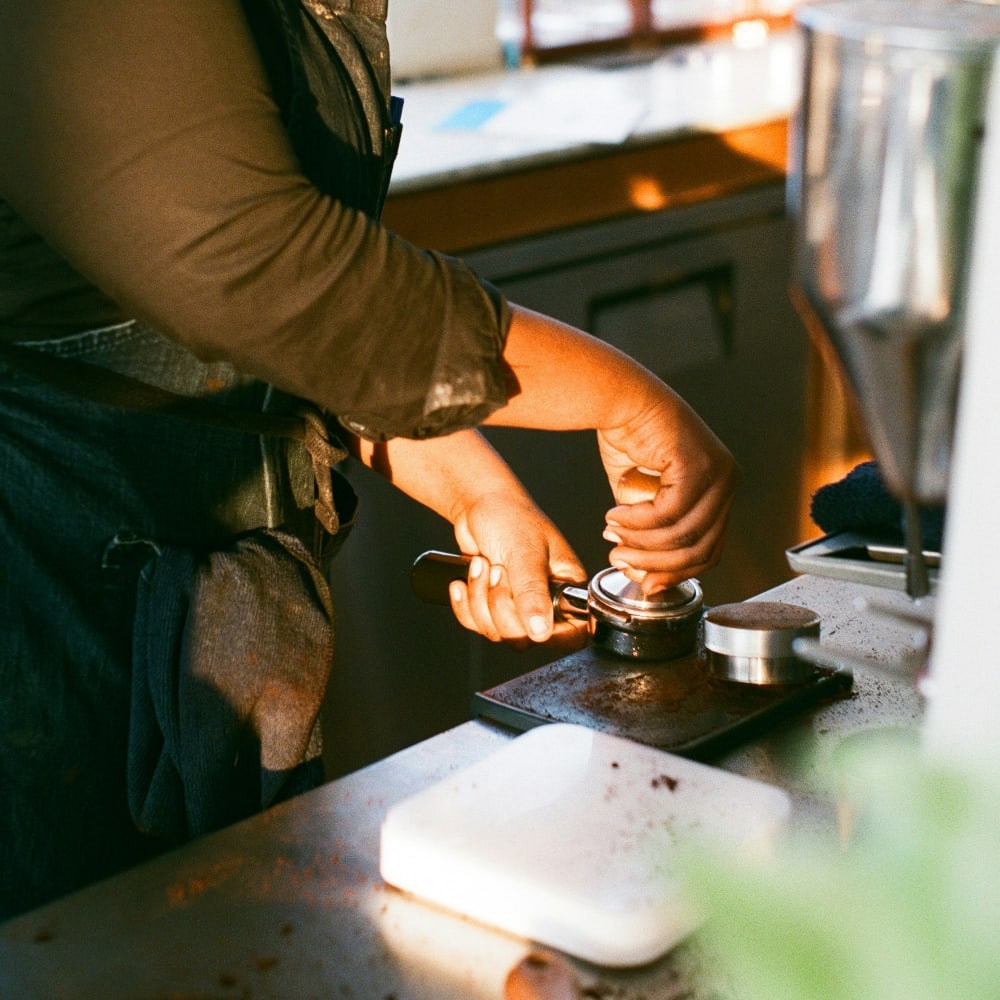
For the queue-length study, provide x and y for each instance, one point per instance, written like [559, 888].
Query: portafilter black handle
[432, 573]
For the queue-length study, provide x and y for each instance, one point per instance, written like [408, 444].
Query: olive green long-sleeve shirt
[146, 171]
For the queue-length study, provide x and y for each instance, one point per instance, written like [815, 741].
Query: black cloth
[860, 502]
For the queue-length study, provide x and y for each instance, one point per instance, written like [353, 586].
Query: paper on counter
[585, 106]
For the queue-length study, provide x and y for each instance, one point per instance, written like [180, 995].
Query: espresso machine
[894, 186]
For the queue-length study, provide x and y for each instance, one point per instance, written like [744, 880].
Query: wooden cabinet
[698, 293]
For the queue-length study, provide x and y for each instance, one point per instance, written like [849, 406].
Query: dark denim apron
[93, 496]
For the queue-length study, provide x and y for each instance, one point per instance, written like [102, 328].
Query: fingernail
[476, 567]
[455, 591]
[495, 574]
[610, 536]
[538, 627]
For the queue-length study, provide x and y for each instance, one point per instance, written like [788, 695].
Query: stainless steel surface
[630, 624]
[617, 595]
[570, 600]
[290, 904]
[856, 557]
[914, 564]
[883, 171]
[896, 554]
[760, 671]
[884, 162]
[753, 642]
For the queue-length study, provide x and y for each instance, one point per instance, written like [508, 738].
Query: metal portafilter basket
[620, 618]
[749, 643]
[885, 148]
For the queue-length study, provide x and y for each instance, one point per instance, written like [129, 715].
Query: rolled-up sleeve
[142, 143]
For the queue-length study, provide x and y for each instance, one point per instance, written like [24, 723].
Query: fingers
[677, 534]
[660, 570]
[488, 606]
[515, 552]
[489, 603]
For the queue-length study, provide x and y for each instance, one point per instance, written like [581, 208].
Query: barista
[189, 194]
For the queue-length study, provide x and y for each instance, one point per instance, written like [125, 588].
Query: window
[541, 30]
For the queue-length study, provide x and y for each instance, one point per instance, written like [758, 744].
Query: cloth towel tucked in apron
[232, 653]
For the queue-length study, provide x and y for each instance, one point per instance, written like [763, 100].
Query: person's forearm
[516, 549]
[567, 379]
[445, 473]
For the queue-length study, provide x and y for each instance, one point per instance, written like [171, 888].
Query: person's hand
[676, 532]
[565, 379]
[516, 551]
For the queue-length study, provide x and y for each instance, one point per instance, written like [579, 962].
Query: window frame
[641, 36]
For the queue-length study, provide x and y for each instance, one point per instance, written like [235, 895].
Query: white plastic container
[573, 838]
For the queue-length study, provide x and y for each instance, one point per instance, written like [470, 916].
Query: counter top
[498, 157]
[477, 126]
[290, 903]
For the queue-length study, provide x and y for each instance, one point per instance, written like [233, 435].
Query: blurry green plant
[908, 906]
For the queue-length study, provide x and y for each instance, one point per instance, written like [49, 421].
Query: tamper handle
[637, 486]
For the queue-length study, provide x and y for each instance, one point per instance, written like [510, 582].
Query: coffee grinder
[894, 185]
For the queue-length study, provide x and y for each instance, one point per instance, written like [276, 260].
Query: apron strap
[369, 8]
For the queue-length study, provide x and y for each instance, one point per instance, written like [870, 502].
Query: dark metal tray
[674, 705]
